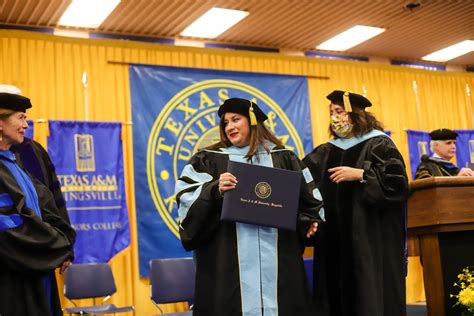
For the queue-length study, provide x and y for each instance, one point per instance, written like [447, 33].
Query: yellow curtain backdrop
[49, 70]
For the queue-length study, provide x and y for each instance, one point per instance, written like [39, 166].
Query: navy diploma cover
[263, 196]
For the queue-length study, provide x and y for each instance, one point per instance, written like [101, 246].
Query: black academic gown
[215, 243]
[436, 168]
[35, 159]
[360, 251]
[31, 251]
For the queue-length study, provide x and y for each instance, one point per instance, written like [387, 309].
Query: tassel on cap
[347, 101]
[243, 107]
[350, 100]
[253, 118]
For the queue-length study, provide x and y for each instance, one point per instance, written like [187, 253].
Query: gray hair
[433, 144]
[7, 88]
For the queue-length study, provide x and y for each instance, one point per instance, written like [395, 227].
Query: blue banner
[30, 131]
[418, 145]
[174, 114]
[89, 162]
[465, 148]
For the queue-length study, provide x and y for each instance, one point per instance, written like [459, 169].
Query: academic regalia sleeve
[310, 203]
[384, 172]
[53, 185]
[34, 159]
[30, 243]
[316, 162]
[51, 180]
[51, 215]
[199, 201]
[423, 172]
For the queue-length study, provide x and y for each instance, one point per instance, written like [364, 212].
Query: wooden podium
[441, 216]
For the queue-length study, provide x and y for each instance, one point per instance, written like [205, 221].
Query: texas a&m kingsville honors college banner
[89, 163]
[175, 114]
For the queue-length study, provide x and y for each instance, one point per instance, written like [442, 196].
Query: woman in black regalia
[244, 269]
[34, 239]
[360, 250]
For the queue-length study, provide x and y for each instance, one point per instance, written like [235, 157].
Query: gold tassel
[347, 102]
[253, 118]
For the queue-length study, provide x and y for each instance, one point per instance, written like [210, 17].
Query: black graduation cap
[14, 102]
[443, 134]
[244, 107]
[349, 100]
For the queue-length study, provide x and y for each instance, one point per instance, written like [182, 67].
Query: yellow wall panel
[49, 70]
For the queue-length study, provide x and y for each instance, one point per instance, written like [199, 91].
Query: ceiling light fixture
[87, 13]
[214, 22]
[451, 52]
[350, 38]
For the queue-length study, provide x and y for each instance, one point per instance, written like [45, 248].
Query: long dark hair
[363, 122]
[258, 134]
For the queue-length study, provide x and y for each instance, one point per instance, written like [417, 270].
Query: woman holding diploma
[360, 259]
[244, 269]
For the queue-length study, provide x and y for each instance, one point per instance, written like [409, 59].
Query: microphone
[425, 158]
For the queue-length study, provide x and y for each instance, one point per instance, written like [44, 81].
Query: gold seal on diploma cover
[263, 190]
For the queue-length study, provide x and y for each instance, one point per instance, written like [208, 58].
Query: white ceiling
[286, 24]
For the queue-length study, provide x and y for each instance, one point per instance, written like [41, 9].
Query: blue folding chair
[172, 281]
[92, 280]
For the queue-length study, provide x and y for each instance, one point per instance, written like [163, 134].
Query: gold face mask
[340, 125]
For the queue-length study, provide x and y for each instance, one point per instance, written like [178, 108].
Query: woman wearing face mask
[359, 253]
[244, 269]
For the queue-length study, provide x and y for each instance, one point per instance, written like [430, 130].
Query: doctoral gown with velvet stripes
[32, 157]
[33, 242]
[360, 251]
[243, 269]
[436, 168]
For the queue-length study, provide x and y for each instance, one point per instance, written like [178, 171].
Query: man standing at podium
[443, 146]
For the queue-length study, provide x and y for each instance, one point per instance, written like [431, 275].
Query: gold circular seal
[188, 122]
[263, 190]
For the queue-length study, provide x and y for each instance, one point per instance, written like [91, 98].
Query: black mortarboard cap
[242, 106]
[14, 102]
[349, 100]
[443, 134]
